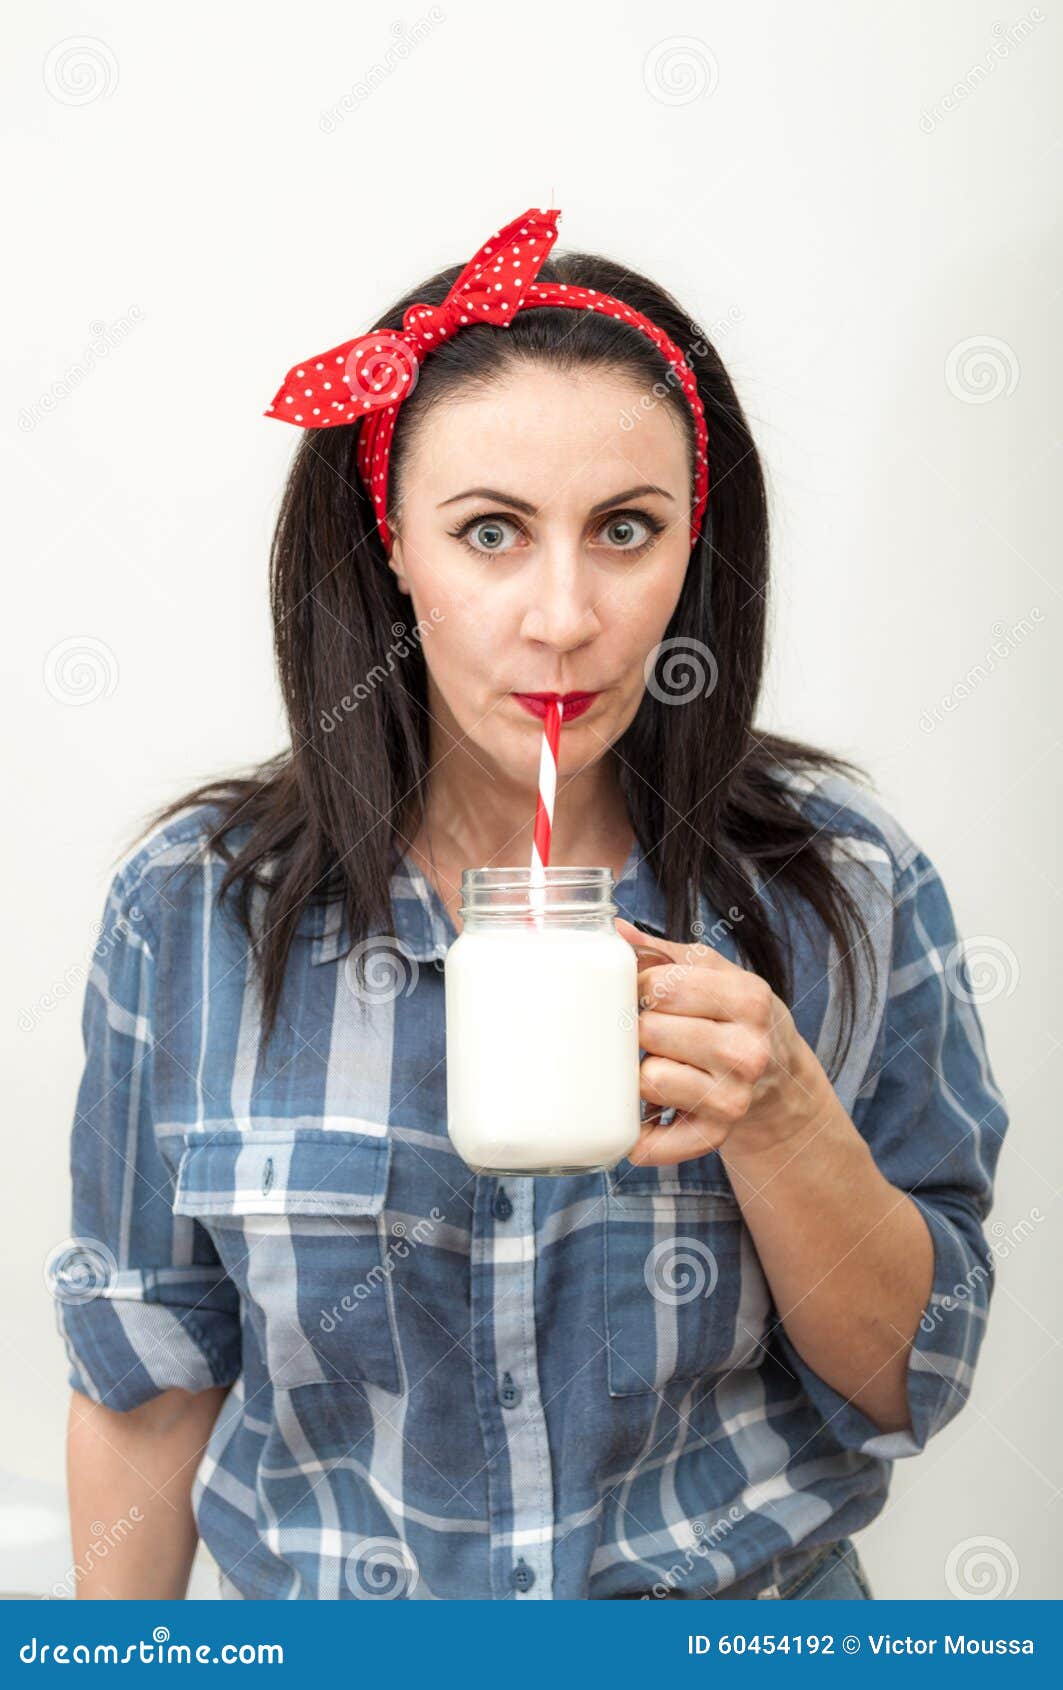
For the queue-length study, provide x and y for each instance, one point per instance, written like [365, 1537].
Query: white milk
[542, 1048]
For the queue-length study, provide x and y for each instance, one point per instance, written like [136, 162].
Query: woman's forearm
[130, 1486]
[848, 1257]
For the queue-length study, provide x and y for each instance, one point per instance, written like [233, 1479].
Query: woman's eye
[487, 534]
[629, 533]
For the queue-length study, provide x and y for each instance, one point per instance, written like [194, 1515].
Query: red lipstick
[575, 703]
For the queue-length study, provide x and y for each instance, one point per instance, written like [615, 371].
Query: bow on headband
[365, 380]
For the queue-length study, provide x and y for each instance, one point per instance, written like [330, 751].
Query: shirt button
[509, 1392]
[267, 1175]
[522, 1577]
[501, 1208]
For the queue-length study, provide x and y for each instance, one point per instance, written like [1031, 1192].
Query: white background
[861, 196]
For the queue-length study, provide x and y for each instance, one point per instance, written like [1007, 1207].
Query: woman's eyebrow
[529, 510]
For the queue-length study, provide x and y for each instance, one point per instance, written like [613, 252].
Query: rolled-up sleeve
[142, 1302]
[934, 1118]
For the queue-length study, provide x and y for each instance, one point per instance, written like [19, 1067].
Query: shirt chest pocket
[686, 1296]
[296, 1215]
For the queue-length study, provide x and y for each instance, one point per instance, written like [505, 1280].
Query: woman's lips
[575, 703]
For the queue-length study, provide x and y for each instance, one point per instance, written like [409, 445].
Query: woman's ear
[395, 565]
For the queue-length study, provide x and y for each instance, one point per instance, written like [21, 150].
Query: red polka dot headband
[366, 379]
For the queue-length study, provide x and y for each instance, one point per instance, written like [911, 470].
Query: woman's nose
[561, 612]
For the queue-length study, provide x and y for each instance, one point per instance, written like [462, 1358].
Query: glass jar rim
[560, 891]
[559, 874]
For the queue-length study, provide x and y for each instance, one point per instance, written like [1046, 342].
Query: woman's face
[544, 548]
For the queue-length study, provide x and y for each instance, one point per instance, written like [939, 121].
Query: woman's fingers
[676, 1085]
[722, 1048]
[735, 995]
[660, 1147]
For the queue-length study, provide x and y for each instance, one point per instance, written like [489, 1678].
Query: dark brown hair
[320, 822]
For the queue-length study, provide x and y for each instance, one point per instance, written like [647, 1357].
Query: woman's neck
[478, 816]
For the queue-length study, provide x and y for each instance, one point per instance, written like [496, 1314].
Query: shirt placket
[508, 1397]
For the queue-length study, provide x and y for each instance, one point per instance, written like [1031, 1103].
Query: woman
[297, 1323]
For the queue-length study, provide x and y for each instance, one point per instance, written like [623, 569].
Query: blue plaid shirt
[446, 1385]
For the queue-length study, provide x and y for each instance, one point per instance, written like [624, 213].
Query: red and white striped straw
[544, 804]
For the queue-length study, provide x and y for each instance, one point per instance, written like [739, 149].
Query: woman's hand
[722, 1050]
[848, 1257]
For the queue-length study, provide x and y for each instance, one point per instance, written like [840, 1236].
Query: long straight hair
[320, 823]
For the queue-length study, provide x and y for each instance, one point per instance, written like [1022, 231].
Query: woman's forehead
[537, 430]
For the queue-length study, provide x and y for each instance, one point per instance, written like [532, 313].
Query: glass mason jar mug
[542, 1024]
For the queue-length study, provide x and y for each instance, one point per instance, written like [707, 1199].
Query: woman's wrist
[809, 1123]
